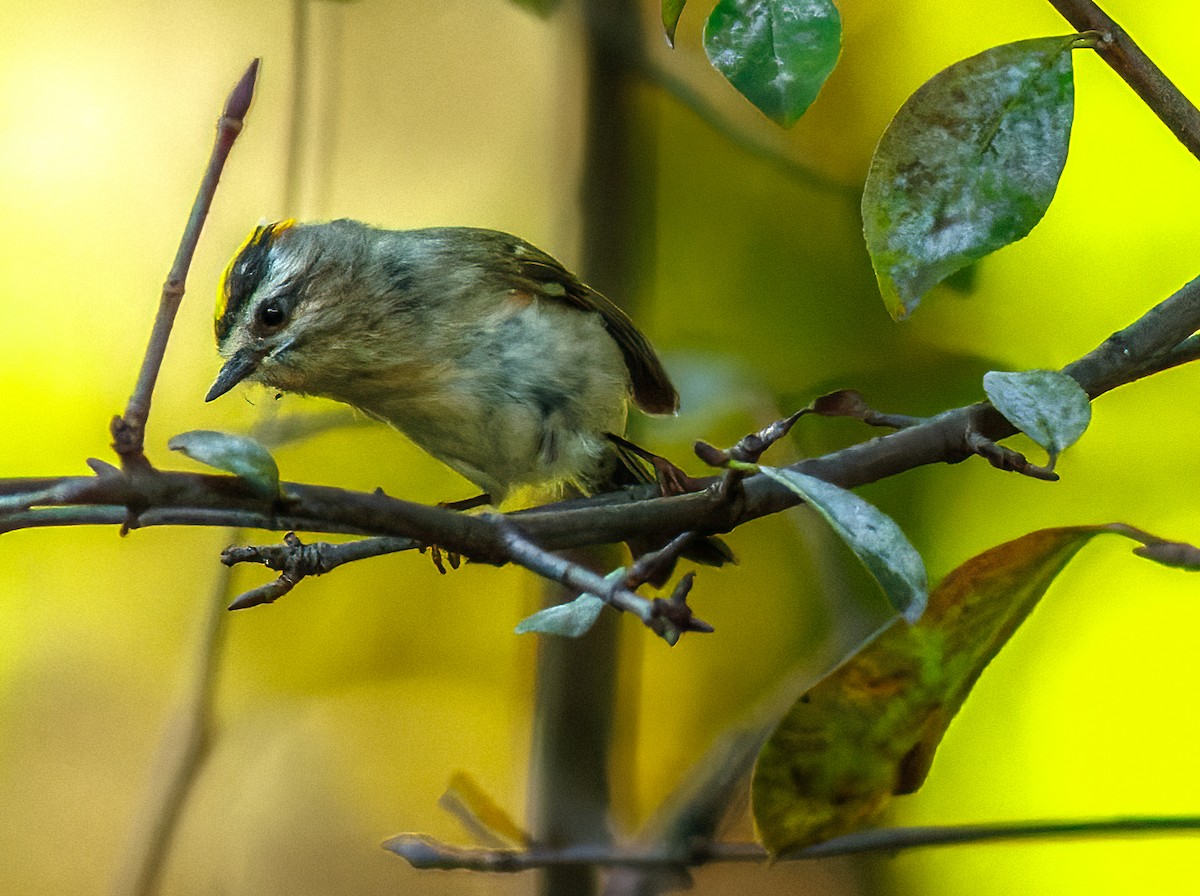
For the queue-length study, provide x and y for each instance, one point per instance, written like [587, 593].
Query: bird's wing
[534, 270]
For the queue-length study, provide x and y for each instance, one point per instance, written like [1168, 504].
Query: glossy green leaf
[234, 454]
[871, 534]
[968, 165]
[570, 620]
[777, 53]
[671, 11]
[869, 730]
[1048, 406]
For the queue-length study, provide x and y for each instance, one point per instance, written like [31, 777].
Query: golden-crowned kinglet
[482, 349]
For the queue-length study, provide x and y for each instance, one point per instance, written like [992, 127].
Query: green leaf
[238, 455]
[671, 11]
[1048, 406]
[968, 165]
[871, 534]
[777, 53]
[870, 729]
[570, 620]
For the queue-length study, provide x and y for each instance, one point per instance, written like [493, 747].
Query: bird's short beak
[243, 363]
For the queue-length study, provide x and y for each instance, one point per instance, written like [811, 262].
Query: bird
[482, 349]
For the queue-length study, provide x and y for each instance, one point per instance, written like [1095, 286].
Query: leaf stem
[1128, 60]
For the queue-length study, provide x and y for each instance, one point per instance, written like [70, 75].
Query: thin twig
[295, 561]
[851, 403]
[668, 618]
[1128, 60]
[129, 430]
[1007, 459]
[424, 852]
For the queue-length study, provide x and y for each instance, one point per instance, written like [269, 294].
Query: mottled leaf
[573, 619]
[777, 53]
[869, 730]
[871, 534]
[968, 165]
[671, 11]
[234, 454]
[1048, 406]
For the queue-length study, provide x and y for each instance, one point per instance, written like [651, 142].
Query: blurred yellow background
[344, 709]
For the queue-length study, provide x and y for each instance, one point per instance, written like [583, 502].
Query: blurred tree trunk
[577, 679]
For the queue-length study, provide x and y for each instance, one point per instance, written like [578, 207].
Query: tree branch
[424, 852]
[1137, 69]
[147, 497]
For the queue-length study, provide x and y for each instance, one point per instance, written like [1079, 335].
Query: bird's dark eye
[271, 315]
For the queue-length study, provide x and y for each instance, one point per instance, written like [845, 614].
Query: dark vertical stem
[576, 679]
[576, 697]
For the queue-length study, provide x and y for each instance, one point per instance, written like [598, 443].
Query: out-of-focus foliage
[671, 11]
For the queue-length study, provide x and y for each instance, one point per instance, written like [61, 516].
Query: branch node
[649, 566]
[850, 403]
[1004, 458]
[103, 469]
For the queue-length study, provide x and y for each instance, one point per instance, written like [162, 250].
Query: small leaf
[671, 11]
[238, 455]
[777, 53]
[871, 534]
[968, 165]
[570, 620]
[1048, 406]
[480, 814]
[870, 729]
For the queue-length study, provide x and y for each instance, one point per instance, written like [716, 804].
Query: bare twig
[1004, 458]
[295, 560]
[1139, 71]
[850, 403]
[167, 498]
[424, 852]
[668, 618]
[129, 430]
[648, 567]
